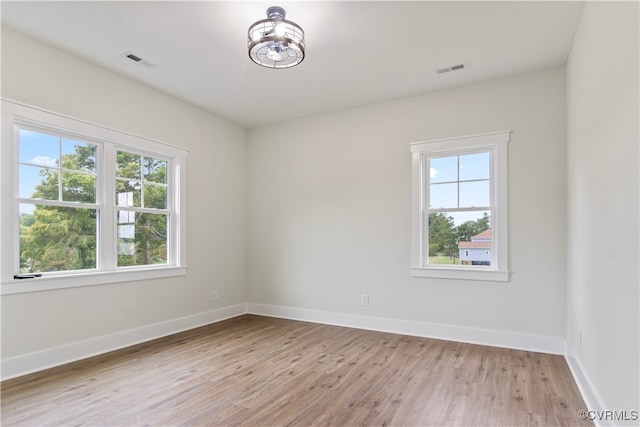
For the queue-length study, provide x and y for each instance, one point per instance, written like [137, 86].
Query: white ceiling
[358, 53]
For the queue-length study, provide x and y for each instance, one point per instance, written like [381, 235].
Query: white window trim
[15, 112]
[496, 141]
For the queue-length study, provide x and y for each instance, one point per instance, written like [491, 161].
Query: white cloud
[433, 172]
[44, 160]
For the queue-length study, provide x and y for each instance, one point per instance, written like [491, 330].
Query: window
[459, 192]
[57, 184]
[86, 204]
[141, 197]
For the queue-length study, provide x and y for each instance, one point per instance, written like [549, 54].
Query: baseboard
[32, 362]
[528, 342]
[589, 393]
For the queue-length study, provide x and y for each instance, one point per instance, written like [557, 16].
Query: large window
[460, 207]
[83, 204]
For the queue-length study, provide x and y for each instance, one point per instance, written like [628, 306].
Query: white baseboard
[517, 341]
[589, 393]
[32, 362]
[28, 363]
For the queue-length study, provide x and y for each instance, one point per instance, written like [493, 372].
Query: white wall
[603, 191]
[39, 75]
[329, 208]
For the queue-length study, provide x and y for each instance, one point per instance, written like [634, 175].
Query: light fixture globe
[275, 42]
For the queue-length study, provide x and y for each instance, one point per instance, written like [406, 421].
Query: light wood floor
[259, 371]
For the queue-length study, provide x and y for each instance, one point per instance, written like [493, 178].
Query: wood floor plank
[260, 371]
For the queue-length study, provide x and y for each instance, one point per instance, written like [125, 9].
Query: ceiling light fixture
[275, 42]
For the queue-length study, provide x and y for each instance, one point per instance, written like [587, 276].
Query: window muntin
[458, 181]
[460, 207]
[141, 181]
[54, 238]
[458, 204]
[78, 161]
[450, 232]
[58, 221]
[142, 238]
[143, 217]
[53, 167]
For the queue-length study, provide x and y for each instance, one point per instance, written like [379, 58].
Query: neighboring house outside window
[477, 251]
[91, 205]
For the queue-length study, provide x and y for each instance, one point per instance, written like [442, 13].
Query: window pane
[57, 239]
[126, 227]
[443, 196]
[443, 169]
[460, 238]
[128, 165]
[78, 156]
[142, 240]
[476, 250]
[128, 193]
[474, 166]
[441, 236]
[475, 194]
[77, 187]
[126, 217]
[155, 170]
[155, 196]
[38, 148]
[38, 183]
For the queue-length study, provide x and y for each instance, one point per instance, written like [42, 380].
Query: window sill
[457, 273]
[48, 283]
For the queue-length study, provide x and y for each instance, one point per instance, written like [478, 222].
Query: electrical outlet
[214, 295]
[364, 299]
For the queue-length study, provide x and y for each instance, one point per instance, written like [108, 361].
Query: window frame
[143, 209]
[109, 140]
[496, 144]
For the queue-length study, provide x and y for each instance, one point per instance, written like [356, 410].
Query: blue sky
[39, 150]
[460, 182]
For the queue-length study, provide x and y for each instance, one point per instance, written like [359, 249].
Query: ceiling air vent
[450, 68]
[135, 58]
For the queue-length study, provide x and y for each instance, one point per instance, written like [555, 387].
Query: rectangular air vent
[450, 68]
[135, 58]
